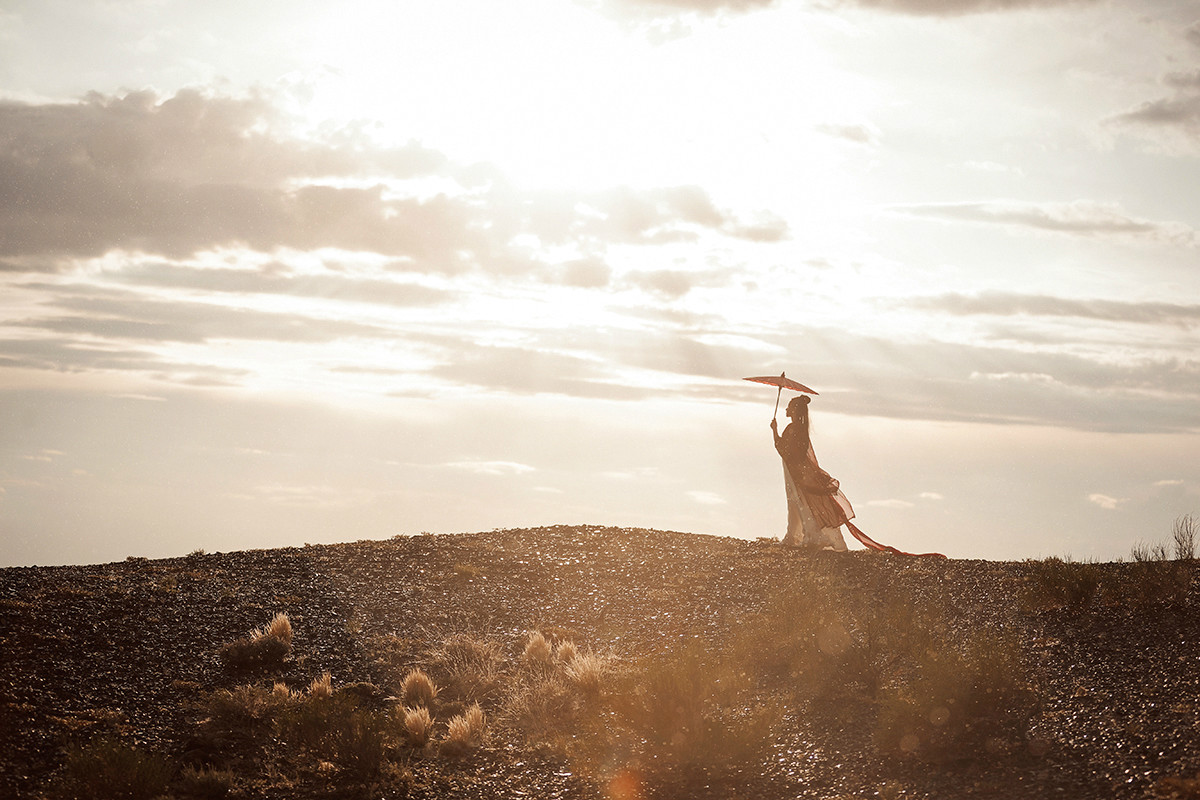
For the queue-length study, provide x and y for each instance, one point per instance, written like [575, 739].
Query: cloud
[1173, 121]
[529, 370]
[1013, 303]
[918, 7]
[272, 281]
[953, 8]
[196, 172]
[1180, 113]
[858, 134]
[492, 467]
[133, 317]
[707, 498]
[892, 503]
[654, 8]
[1106, 502]
[1080, 218]
[953, 381]
[60, 354]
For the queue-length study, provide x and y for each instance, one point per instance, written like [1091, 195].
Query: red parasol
[783, 382]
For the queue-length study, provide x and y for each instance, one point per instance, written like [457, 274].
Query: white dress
[803, 529]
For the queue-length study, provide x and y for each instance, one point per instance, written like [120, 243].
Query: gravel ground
[134, 646]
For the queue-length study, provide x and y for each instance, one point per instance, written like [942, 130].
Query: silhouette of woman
[816, 506]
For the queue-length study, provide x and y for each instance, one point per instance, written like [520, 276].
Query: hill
[605, 663]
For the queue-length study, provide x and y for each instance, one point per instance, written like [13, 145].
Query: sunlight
[572, 101]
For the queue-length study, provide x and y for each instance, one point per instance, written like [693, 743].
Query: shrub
[358, 742]
[264, 648]
[959, 702]
[245, 710]
[464, 731]
[541, 707]
[107, 768]
[418, 689]
[692, 721]
[1059, 583]
[247, 654]
[418, 726]
[1184, 533]
[1154, 578]
[469, 668]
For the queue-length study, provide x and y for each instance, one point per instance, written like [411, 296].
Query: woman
[816, 507]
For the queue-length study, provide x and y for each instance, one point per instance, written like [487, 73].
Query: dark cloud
[1183, 80]
[952, 8]
[195, 172]
[1192, 34]
[1006, 304]
[1079, 219]
[1181, 111]
[1176, 115]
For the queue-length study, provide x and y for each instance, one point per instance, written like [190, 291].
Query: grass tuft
[464, 732]
[566, 651]
[207, 783]
[264, 649]
[418, 726]
[418, 689]
[538, 649]
[321, 687]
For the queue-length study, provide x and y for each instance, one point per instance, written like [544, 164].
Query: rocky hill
[589, 662]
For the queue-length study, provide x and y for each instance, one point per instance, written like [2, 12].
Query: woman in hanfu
[816, 506]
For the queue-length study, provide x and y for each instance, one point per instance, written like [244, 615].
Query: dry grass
[587, 672]
[464, 732]
[468, 668]
[207, 783]
[265, 648]
[418, 689]
[418, 726]
[565, 651]
[538, 649]
[321, 687]
[280, 627]
[109, 769]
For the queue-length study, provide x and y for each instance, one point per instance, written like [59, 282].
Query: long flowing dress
[816, 506]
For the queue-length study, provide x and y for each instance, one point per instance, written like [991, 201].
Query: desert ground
[597, 662]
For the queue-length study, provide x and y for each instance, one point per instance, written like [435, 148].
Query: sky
[305, 272]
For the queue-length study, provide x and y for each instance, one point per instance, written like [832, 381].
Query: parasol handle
[777, 396]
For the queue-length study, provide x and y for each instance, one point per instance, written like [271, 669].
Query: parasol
[783, 382]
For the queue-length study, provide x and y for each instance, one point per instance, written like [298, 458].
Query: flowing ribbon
[874, 545]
